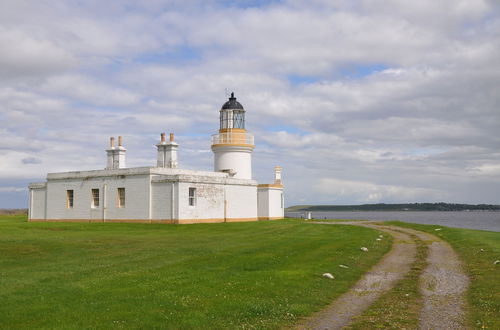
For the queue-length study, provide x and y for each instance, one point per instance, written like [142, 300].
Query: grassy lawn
[334, 220]
[235, 275]
[478, 250]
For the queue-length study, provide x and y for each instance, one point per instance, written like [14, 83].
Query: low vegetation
[396, 207]
[13, 211]
[478, 251]
[233, 275]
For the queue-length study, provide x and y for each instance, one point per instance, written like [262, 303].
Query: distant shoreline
[394, 207]
[13, 211]
[325, 211]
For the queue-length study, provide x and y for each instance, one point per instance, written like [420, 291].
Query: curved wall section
[236, 159]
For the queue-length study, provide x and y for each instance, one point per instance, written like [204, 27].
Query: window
[232, 119]
[95, 199]
[282, 201]
[121, 197]
[192, 196]
[69, 199]
[239, 119]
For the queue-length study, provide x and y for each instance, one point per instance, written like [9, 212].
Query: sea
[482, 220]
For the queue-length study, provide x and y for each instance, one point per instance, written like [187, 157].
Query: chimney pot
[171, 137]
[112, 142]
[162, 137]
[120, 141]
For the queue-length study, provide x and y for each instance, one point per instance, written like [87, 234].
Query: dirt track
[442, 284]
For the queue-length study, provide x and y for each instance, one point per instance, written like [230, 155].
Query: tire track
[382, 277]
[443, 284]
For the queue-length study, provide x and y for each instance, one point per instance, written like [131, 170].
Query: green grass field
[478, 250]
[235, 275]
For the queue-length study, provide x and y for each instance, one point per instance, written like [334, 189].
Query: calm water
[484, 220]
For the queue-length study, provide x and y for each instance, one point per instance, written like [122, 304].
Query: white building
[165, 193]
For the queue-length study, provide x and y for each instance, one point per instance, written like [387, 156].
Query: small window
[95, 198]
[192, 196]
[239, 119]
[69, 199]
[121, 197]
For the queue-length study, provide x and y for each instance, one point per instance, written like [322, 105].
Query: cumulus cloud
[367, 192]
[90, 91]
[25, 56]
[31, 160]
[359, 101]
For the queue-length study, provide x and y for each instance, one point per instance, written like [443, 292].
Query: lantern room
[232, 115]
[233, 145]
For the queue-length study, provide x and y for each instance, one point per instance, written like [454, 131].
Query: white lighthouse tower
[233, 145]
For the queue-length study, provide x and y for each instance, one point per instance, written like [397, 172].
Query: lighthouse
[165, 193]
[233, 145]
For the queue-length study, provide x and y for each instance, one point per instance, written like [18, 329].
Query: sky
[364, 101]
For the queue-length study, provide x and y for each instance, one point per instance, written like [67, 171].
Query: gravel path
[442, 284]
[382, 277]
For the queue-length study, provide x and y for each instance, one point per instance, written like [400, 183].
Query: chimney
[167, 152]
[277, 175]
[115, 155]
[110, 154]
[120, 154]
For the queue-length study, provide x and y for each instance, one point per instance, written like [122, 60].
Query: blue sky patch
[360, 70]
[301, 80]
[176, 55]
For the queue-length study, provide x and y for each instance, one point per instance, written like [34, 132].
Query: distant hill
[13, 211]
[396, 207]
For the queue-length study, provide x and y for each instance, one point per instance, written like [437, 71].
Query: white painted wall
[149, 192]
[236, 158]
[241, 201]
[37, 203]
[161, 200]
[209, 202]
[263, 202]
[136, 198]
[276, 209]
[270, 202]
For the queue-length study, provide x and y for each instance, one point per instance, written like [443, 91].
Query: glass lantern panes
[232, 119]
[238, 119]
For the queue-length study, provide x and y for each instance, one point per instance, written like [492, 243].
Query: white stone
[343, 266]
[328, 275]
[437, 229]
[364, 249]
[496, 262]
[379, 239]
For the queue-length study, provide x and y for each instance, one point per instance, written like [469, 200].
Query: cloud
[25, 56]
[358, 101]
[31, 160]
[366, 192]
[10, 189]
[89, 91]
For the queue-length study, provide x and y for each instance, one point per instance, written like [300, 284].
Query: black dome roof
[232, 104]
